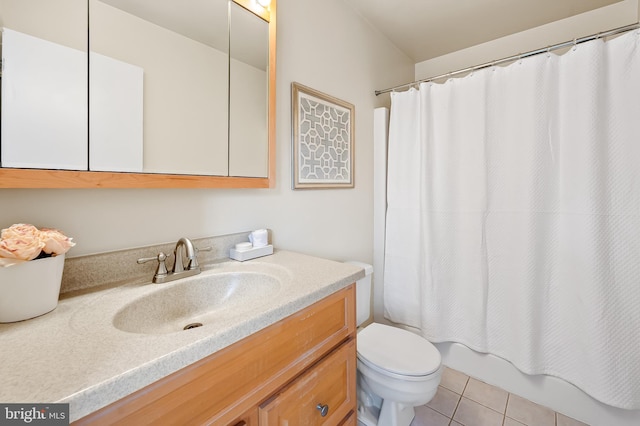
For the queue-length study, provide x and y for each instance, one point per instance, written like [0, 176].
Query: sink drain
[192, 325]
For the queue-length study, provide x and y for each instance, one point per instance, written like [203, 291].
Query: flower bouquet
[31, 265]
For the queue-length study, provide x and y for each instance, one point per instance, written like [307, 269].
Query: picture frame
[323, 135]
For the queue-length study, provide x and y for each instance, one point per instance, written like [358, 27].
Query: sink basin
[200, 300]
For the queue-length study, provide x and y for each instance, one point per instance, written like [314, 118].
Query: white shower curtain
[513, 221]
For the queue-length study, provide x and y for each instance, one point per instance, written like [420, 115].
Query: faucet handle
[161, 270]
[194, 262]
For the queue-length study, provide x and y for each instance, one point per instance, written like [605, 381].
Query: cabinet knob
[324, 409]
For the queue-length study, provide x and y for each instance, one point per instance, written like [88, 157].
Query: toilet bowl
[397, 370]
[401, 368]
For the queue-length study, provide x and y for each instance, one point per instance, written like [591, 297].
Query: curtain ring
[548, 51]
[493, 66]
[575, 43]
[520, 59]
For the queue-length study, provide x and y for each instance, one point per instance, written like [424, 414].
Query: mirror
[159, 86]
[249, 84]
[167, 136]
[44, 84]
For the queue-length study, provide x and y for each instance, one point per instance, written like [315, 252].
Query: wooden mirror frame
[46, 178]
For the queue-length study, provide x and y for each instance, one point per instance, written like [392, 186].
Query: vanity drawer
[222, 386]
[327, 388]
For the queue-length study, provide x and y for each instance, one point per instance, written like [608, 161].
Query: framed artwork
[323, 140]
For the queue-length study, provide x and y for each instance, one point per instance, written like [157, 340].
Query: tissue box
[251, 253]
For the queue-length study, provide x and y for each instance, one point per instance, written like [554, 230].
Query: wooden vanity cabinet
[284, 374]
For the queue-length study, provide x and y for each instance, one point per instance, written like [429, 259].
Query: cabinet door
[324, 395]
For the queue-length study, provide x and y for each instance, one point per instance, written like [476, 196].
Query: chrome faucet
[179, 270]
[190, 253]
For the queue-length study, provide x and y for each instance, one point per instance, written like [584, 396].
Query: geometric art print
[323, 140]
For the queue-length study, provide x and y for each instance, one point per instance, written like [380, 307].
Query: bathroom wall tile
[425, 416]
[508, 421]
[445, 401]
[529, 413]
[470, 413]
[454, 380]
[562, 420]
[487, 395]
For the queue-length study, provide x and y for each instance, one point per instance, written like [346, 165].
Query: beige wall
[324, 45]
[605, 18]
[69, 28]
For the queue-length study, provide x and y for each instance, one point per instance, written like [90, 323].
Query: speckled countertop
[80, 355]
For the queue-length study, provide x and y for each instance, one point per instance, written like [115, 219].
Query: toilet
[397, 369]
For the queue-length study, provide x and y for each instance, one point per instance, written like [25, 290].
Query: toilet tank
[363, 292]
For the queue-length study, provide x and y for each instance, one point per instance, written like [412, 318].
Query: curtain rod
[573, 42]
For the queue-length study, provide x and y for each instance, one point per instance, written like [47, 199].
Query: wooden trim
[272, 97]
[39, 178]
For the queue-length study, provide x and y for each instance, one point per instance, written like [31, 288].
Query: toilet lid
[397, 351]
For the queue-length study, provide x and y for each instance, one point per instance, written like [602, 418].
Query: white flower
[55, 241]
[21, 242]
[25, 242]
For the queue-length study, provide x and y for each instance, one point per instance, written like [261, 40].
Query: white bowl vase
[30, 289]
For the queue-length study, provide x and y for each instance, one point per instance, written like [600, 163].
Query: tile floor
[463, 400]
